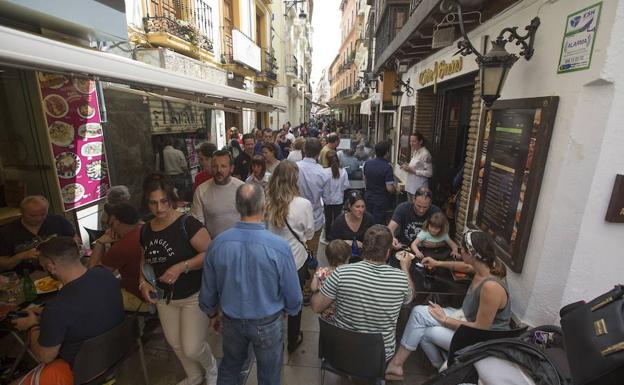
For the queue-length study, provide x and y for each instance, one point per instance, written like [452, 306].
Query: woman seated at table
[486, 306]
[433, 235]
[351, 225]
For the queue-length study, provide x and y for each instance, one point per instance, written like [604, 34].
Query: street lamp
[495, 65]
[396, 96]
[291, 3]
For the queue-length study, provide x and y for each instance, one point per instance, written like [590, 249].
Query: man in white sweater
[214, 200]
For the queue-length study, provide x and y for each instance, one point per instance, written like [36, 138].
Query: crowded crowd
[236, 250]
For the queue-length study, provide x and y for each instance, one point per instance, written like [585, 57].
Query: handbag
[594, 338]
[311, 262]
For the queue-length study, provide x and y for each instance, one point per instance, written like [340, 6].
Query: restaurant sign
[439, 71]
[171, 117]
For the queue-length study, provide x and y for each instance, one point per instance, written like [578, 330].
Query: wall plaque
[511, 157]
[615, 212]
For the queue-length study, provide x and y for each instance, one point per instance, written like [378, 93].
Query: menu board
[406, 123]
[73, 121]
[512, 151]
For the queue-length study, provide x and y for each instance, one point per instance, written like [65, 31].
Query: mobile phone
[418, 264]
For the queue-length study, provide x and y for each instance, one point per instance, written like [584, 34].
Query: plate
[84, 86]
[68, 165]
[96, 170]
[55, 105]
[92, 149]
[53, 81]
[90, 130]
[61, 134]
[86, 110]
[47, 285]
[72, 193]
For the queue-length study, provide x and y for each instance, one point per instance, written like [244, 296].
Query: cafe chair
[100, 356]
[466, 336]
[351, 354]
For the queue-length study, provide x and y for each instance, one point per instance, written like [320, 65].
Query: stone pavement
[300, 368]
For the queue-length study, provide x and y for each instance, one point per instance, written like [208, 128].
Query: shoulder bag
[311, 262]
[594, 338]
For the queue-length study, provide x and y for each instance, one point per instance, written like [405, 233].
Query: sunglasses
[423, 193]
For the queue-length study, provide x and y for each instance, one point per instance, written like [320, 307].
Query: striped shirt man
[368, 298]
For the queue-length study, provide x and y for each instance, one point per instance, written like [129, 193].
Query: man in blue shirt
[251, 273]
[268, 137]
[379, 180]
[313, 184]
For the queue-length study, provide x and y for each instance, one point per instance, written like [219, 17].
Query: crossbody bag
[311, 261]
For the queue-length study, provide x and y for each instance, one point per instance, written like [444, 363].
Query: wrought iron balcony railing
[269, 69]
[179, 28]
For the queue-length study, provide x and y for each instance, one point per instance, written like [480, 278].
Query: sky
[326, 36]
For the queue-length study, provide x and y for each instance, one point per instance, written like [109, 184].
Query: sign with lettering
[615, 212]
[511, 158]
[578, 39]
[439, 71]
[172, 117]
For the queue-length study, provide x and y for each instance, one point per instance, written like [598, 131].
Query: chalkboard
[511, 156]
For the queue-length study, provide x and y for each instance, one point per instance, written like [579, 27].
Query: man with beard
[242, 161]
[214, 200]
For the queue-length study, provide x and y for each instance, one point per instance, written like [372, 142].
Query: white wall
[573, 253]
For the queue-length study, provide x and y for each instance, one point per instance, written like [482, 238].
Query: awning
[323, 111]
[27, 50]
[366, 105]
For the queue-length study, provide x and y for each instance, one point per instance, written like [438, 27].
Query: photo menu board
[72, 115]
[511, 156]
[406, 123]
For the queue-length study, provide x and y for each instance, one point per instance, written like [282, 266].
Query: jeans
[294, 321]
[425, 330]
[267, 339]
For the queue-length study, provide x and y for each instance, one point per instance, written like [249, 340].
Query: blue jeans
[267, 339]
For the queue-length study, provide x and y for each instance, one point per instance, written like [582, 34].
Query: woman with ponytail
[486, 306]
[333, 198]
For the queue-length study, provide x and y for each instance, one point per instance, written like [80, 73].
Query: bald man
[19, 239]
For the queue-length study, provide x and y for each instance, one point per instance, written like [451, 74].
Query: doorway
[451, 122]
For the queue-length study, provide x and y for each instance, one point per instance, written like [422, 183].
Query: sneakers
[212, 373]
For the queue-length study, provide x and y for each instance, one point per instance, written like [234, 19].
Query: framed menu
[511, 157]
[72, 116]
[405, 129]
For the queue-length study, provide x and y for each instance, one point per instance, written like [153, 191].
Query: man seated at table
[368, 295]
[408, 217]
[18, 239]
[124, 254]
[88, 305]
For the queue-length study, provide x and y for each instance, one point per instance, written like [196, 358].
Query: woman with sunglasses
[351, 225]
[419, 169]
[173, 248]
[486, 305]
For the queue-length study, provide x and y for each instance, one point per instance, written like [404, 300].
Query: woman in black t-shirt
[352, 225]
[173, 246]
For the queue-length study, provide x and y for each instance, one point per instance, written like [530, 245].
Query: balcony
[244, 66]
[180, 35]
[292, 67]
[269, 69]
[404, 30]
[345, 93]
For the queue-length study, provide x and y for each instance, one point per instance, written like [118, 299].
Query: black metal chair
[465, 336]
[351, 354]
[99, 357]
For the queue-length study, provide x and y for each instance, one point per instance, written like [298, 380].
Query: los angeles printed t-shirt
[84, 308]
[165, 248]
[409, 223]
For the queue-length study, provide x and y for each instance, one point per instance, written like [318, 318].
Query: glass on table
[11, 290]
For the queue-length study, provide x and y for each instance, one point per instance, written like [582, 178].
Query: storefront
[578, 121]
[75, 121]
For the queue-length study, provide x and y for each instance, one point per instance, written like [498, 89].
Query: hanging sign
[578, 39]
[72, 115]
[439, 71]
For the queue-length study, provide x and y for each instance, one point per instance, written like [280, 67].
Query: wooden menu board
[511, 157]
[405, 129]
